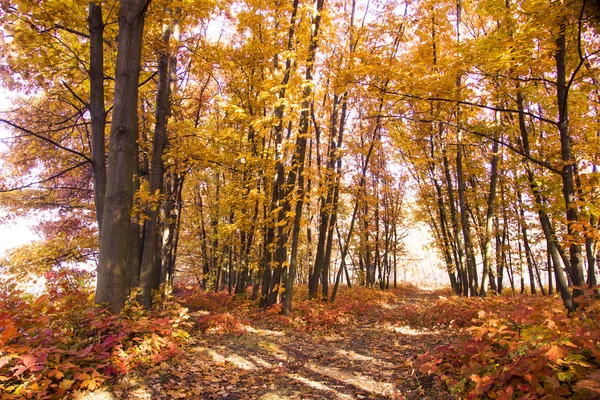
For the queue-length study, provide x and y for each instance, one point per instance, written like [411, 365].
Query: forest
[224, 194]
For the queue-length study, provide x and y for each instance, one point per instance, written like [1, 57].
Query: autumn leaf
[65, 384]
[82, 376]
[90, 384]
[10, 331]
[555, 353]
[176, 395]
[592, 383]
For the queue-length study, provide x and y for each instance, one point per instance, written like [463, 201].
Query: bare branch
[466, 103]
[46, 139]
[66, 85]
[57, 175]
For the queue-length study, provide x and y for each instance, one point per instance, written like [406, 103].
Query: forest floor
[402, 343]
[360, 349]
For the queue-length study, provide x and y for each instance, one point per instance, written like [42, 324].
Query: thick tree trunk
[112, 265]
[136, 233]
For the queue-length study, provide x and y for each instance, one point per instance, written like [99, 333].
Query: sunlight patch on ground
[352, 355]
[262, 332]
[273, 396]
[140, 391]
[355, 379]
[234, 359]
[262, 362]
[275, 350]
[98, 395]
[407, 330]
[240, 362]
[319, 386]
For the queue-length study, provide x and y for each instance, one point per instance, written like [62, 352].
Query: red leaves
[482, 384]
[590, 384]
[525, 347]
[221, 323]
[59, 343]
[555, 353]
[28, 362]
[9, 332]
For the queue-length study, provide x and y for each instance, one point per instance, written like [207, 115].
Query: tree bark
[150, 258]
[549, 234]
[487, 247]
[112, 265]
[568, 174]
[96, 107]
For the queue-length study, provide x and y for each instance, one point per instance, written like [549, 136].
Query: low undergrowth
[58, 344]
[521, 347]
[231, 314]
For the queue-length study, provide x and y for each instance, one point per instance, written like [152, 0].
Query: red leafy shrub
[312, 315]
[529, 349]
[308, 315]
[57, 344]
[197, 299]
[222, 323]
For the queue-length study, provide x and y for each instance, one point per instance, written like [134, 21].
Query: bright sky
[16, 232]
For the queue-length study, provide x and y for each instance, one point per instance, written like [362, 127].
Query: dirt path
[368, 359]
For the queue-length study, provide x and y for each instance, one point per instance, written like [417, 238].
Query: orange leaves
[529, 347]
[590, 385]
[75, 347]
[66, 384]
[221, 323]
[9, 332]
[555, 353]
[430, 367]
[482, 384]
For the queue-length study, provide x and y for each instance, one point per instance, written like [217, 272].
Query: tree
[112, 264]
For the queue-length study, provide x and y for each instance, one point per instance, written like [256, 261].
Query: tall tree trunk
[550, 270]
[460, 251]
[568, 174]
[528, 253]
[116, 221]
[487, 247]
[362, 186]
[149, 262]
[274, 258]
[549, 234]
[169, 247]
[299, 159]
[96, 107]
[136, 232]
[460, 177]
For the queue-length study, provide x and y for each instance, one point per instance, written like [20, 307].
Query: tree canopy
[262, 145]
